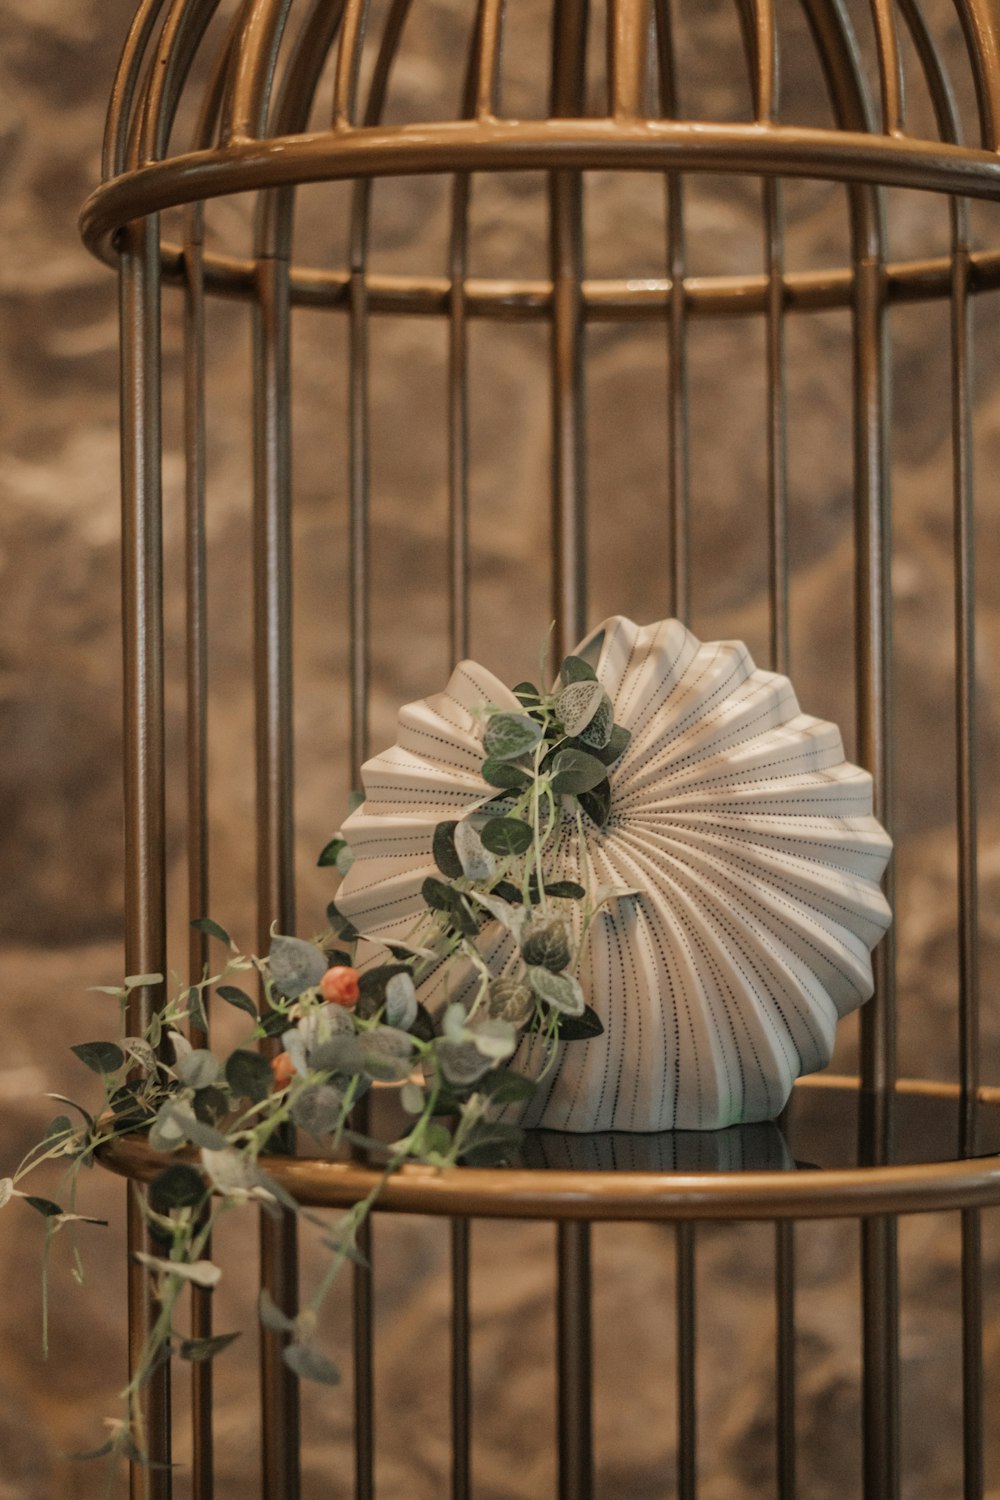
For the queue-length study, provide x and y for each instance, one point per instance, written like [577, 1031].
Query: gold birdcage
[272, 97]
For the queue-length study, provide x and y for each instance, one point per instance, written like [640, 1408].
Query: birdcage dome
[291, 94]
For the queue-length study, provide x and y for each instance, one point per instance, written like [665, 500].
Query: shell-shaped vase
[753, 844]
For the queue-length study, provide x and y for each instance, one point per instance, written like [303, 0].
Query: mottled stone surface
[60, 914]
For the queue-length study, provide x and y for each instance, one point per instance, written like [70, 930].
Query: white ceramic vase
[751, 839]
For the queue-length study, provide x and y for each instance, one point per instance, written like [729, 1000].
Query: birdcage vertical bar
[196, 597]
[686, 1313]
[461, 1334]
[677, 319]
[628, 43]
[777, 428]
[879, 1239]
[569, 44]
[360, 651]
[786, 1442]
[345, 114]
[575, 1361]
[973, 1418]
[965, 668]
[142, 639]
[458, 424]
[274, 776]
[890, 65]
[973, 1396]
[880, 1355]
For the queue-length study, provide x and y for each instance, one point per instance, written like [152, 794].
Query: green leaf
[273, 1023]
[509, 736]
[412, 1098]
[597, 732]
[344, 929]
[578, 703]
[490, 1142]
[141, 981]
[295, 965]
[248, 1075]
[210, 1105]
[508, 891]
[597, 802]
[318, 1110]
[401, 1001]
[198, 1272]
[616, 746]
[196, 1009]
[100, 1057]
[547, 944]
[57, 1130]
[331, 852]
[445, 854]
[372, 984]
[565, 890]
[179, 1186]
[575, 669]
[561, 991]
[438, 896]
[507, 1087]
[271, 1316]
[309, 1364]
[198, 1350]
[43, 1206]
[574, 771]
[6, 1190]
[505, 775]
[507, 836]
[423, 1027]
[205, 924]
[238, 998]
[508, 999]
[527, 693]
[198, 1069]
[580, 1028]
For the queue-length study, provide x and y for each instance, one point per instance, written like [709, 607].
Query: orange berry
[339, 986]
[283, 1069]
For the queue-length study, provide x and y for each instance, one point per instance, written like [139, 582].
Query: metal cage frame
[252, 135]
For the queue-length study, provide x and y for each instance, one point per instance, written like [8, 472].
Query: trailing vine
[338, 1025]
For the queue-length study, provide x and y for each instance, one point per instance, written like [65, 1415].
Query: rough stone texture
[59, 735]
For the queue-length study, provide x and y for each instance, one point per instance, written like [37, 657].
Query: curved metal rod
[890, 66]
[361, 197]
[256, 59]
[345, 83]
[206, 129]
[858, 159]
[118, 125]
[677, 370]
[290, 115]
[490, 51]
[183, 30]
[612, 300]
[628, 44]
[981, 28]
[767, 77]
[943, 102]
[480, 70]
[626, 1196]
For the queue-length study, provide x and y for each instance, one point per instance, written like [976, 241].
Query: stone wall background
[60, 912]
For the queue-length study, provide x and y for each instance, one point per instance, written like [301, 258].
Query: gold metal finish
[260, 66]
